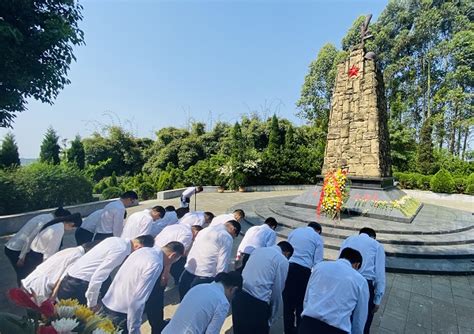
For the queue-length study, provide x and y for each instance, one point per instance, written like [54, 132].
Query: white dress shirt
[91, 221]
[308, 247]
[21, 241]
[97, 264]
[335, 292]
[133, 284]
[188, 192]
[139, 223]
[170, 218]
[264, 277]
[111, 220]
[202, 310]
[256, 237]
[44, 278]
[222, 219]
[193, 218]
[373, 261]
[175, 232]
[210, 252]
[48, 241]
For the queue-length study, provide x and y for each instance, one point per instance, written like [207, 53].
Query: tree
[274, 139]
[425, 149]
[37, 39]
[50, 148]
[9, 156]
[76, 154]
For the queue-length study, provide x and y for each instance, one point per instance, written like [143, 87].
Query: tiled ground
[412, 303]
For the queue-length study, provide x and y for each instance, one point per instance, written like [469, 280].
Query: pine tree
[9, 156]
[237, 142]
[425, 149]
[50, 148]
[274, 140]
[290, 138]
[76, 154]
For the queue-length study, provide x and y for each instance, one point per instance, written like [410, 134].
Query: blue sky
[152, 64]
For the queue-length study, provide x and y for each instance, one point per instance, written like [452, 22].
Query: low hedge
[444, 182]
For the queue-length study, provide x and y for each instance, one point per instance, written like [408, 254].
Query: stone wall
[358, 131]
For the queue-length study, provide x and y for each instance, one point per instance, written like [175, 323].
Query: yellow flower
[68, 302]
[84, 313]
[107, 326]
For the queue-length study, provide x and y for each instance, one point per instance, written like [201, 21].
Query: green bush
[41, 186]
[460, 184]
[111, 192]
[407, 180]
[424, 182]
[146, 191]
[442, 182]
[470, 185]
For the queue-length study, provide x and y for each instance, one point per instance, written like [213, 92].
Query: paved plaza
[412, 303]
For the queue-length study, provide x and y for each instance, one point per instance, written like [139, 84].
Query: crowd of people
[121, 267]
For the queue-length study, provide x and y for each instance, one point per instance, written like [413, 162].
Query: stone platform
[439, 240]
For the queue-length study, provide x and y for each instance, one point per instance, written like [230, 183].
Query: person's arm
[318, 252]
[224, 256]
[271, 241]
[117, 222]
[359, 316]
[379, 275]
[54, 237]
[139, 298]
[111, 261]
[277, 289]
[220, 313]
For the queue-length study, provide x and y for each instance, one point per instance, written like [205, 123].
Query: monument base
[363, 182]
[371, 197]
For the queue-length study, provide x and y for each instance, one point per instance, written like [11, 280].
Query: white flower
[65, 325]
[99, 331]
[65, 311]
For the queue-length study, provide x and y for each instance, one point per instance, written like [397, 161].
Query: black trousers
[74, 288]
[293, 296]
[370, 315]
[118, 319]
[154, 308]
[314, 326]
[13, 258]
[188, 280]
[102, 236]
[32, 260]
[249, 314]
[245, 258]
[83, 236]
[177, 269]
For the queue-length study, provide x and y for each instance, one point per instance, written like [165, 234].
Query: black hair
[286, 247]
[316, 226]
[129, 194]
[236, 225]
[61, 212]
[160, 209]
[89, 245]
[209, 215]
[197, 228]
[240, 212]
[146, 240]
[176, 247]
[125, 215]
[270, 221]
[75, 218]
[199, 188]
[369, 231]
[180, 212]
[352, 255]
[230, 279]
[170, 208]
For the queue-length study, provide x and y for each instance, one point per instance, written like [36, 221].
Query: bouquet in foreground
[46, 317]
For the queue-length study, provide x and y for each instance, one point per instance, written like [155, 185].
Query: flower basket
[334, 194]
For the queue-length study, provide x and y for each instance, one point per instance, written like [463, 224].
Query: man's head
[353, 256]
[157, 212]
[129, 198]
[61, 212]
[72, 221]
[233, 227]
[232, 281]
[195, 229]
[143, 241]
[239, 214]
[199, 189]
[170, 208]
[270, 221]
[370, 232]
[286, 248]
[208, 217]
[173, 252]
[180, 212]
[316, 227]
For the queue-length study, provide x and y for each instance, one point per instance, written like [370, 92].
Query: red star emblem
[353, 71]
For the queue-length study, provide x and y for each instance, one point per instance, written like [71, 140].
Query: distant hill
[27, 161]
